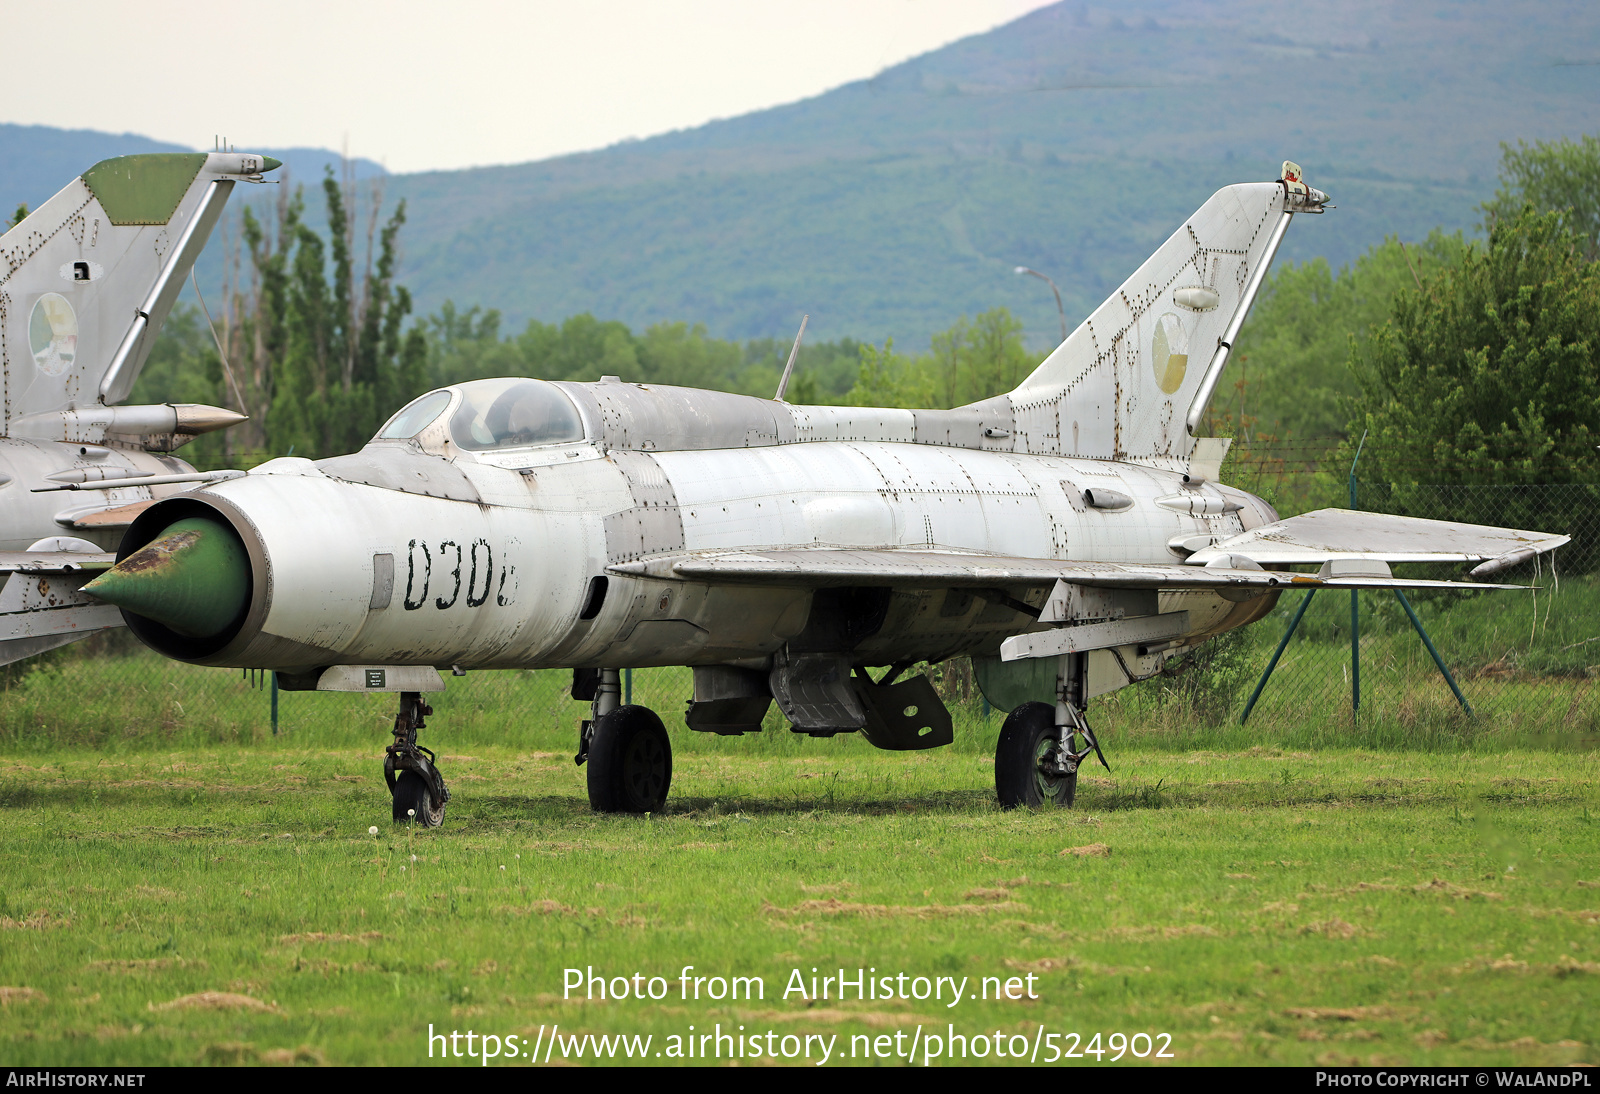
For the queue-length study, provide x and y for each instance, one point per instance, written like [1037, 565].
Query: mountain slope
[1072, 140]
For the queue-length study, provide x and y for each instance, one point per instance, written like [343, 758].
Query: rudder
[1127, 382]
[87, 278]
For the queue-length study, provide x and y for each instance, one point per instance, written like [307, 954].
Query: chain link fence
[1525, 662]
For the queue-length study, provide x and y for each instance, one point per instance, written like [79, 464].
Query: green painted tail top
[194, 578]
[145, 189]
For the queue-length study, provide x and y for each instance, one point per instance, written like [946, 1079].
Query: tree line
[314, 349]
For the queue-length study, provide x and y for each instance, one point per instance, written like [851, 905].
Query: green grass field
[182, 887]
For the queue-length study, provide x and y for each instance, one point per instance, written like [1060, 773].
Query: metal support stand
[274, 704]
[1434, 653]
[1355, 631]
[1300, 612]
[1261, 684]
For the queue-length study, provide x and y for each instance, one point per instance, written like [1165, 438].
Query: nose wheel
[415, 785]
[414, 801]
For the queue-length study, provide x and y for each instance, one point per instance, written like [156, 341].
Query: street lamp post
[1059, 310]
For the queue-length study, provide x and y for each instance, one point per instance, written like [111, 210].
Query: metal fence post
[1355, 601]
[1428, 642]
[1355, 652]
[1277, 653]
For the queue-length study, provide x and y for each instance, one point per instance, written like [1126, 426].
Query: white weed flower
[411, 812]
[373, 831]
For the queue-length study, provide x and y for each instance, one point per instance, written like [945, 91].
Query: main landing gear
[412, 772]
[626, 748]
[1043, 745]
[1041, 748]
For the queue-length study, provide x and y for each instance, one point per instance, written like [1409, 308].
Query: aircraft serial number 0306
[1068, 536]
[481, 579]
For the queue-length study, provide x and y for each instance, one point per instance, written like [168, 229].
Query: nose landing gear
[415, 785]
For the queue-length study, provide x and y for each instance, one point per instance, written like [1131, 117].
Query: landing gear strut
[1042, 746]
[627, 750]
[411, 771]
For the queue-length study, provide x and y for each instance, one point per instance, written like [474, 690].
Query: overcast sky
[418, 84]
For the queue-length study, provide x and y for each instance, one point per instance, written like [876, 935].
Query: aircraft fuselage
[26, 464]
[481, 566]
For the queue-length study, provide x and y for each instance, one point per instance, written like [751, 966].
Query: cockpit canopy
[513, 412]
[414, 417]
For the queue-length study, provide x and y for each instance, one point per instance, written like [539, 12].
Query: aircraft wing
[42, 605]
[1347, 534]
[818, 567]
[55, 562]
[1352, 549]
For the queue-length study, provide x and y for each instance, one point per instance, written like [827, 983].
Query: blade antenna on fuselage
[783, 384]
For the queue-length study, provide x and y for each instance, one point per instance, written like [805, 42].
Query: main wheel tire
[630, 762]
[1029, 732]
[411, 793]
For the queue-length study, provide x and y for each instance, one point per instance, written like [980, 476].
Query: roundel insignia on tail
[1169, 353]
[53, 334]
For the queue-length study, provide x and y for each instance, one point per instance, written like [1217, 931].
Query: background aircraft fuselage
[27, 464]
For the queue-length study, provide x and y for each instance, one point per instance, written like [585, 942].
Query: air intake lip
[193, 578]
[149, 526]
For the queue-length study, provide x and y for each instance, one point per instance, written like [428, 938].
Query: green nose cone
[194, 578]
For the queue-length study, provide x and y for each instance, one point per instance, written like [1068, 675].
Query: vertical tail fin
[87, 278]
[1127, 383]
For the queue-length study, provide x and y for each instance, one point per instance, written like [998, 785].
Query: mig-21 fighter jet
[1069, 536]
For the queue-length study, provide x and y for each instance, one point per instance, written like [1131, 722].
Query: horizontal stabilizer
[821, 567]
[100, 516]
[1346, 533]
[20, 649]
